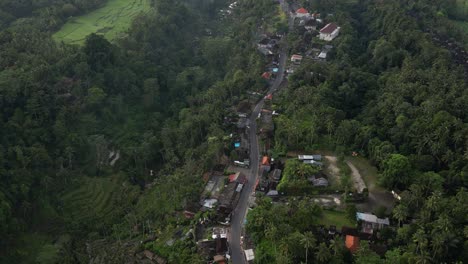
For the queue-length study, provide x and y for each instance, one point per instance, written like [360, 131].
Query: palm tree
[323, 253]
[400, 213]
[420, 239]
[336, 245]
[308, 241]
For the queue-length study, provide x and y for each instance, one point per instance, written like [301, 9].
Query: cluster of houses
[269, 178]
[216, 249]
[313, 24]
[368, 226]
[318, 180]
[220, 197]
[268, 45]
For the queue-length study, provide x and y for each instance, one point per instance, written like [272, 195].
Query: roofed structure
[352, 243]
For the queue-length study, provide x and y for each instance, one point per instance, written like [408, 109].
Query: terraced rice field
[112, 20]
[92, 200]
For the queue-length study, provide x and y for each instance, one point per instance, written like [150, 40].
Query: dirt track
[359, 184]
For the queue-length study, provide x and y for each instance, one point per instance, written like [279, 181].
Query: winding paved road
[239, 214]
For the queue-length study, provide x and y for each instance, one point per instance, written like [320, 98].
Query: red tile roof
[266, 75]
[329, 28]
[266, 161]
[233, 177]
[302, 11]
[352, 243]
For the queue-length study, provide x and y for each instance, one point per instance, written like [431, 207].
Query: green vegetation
[107, 142]
[336, 218]
[112, 21]
[280, 230]
[295, 174]
[393, 91]
[93, 201]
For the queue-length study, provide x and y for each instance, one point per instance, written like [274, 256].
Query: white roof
[372, 218]
[313, 162]
[309, 157]
[249, 254]
[272, 193]
[322, 55]
[209, 203]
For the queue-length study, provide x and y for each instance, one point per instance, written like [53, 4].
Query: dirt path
[359, 184]
[332, 169]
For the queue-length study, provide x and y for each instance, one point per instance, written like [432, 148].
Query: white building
[296, 58]
[302, 12]
[329, 32]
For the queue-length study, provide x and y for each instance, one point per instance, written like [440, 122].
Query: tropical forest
[223, 131]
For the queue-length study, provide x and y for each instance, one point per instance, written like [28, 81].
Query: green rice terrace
[97, 199]
[112, 20]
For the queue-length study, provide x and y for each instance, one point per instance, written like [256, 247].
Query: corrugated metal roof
[249, 254]
[372, 218]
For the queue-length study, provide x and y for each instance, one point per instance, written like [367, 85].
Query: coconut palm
[323, 253]
[308, 241]
[400, 213]
[336, 245]
[421, 241]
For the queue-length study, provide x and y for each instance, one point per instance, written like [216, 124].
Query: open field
[112, 20]
[335, 218]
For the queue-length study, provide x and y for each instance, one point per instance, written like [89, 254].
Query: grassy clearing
[335, 218]
[368, 172]
[112, 20]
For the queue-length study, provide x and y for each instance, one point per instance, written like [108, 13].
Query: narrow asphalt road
[239, 214]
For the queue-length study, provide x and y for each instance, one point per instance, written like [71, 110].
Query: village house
[310, 25]
[329, 32]
[309, 157]
[228, 198]
[265, 51]
[266, 163]
[313, 162]
[266, 125]
[266, 75]
[296, 58]
[249, 255]
[263, 183]
[302, 13]
[276, 175]
[318, 181]
[370, 222]
[263, 43]
[352, 243]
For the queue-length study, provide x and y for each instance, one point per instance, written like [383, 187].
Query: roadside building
[371, 223]
[296, 58]
[249, 255]
[266, 163]
[329, 32]
[228, 198]
[276, 175]
[310, 157]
